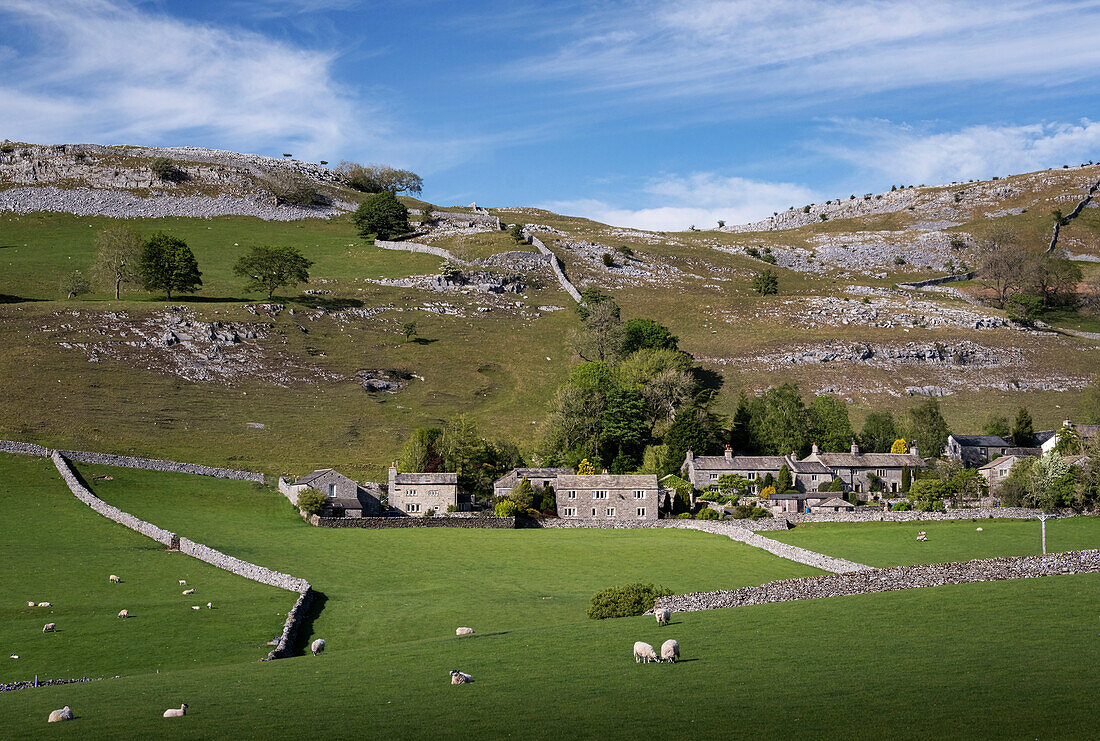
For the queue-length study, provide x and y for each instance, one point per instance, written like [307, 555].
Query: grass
[55, 549]
[1001, 659]
[894, 543]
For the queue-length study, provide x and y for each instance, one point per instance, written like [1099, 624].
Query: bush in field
[75, 284]
[381, 215]
[626, 601]
[311, 501]
[166, 170]
[766, 284]
[507, 508]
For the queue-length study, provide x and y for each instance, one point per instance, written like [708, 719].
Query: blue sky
[648, 114]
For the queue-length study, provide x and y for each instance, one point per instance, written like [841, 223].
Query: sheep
[30, 604]
[49, 627]
[195, 607]
[44, 604]
[458, 677]
[176, 712]
[124, 613]
[644, 652]
[979, 530]
[114, 578]
[65, 713]
[189, 591]
[183, 582]
[670, 651]
[317, 647]
[663, 615]
[209, 605]
[464, 631]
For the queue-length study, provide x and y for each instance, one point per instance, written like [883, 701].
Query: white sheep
[114, 578]
[65, 713]
[124, 613]
[464, 631]
[670, 651]
[44, 604]
[317, 647]
[644, 652]
[189, 591]
[183, 582]
[49, 627]
[176, 712]
[30, 604]
[663, 615]
[458, 677]
[195, 607]
[209, 605]
[979, 530]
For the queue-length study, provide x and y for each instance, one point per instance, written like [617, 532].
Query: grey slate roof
[835, 502]
[810, 467]
[311, 477]
[608, 481]
[739, 462]
[982, 441]
[870, 460]
[514, 476]
[426, 478]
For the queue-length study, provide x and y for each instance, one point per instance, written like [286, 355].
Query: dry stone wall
[555, 264]
[888, 580]
[425, 249]
[11, 446]
[383, 523]
[151, 464]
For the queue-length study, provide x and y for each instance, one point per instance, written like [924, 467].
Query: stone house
[703, 471]
[344, 497]
[975, 450]
[835, 504]
[540, 478]
[609, 497]
[855, 468]
[997, 470]
[417, 493]
[1084, 432]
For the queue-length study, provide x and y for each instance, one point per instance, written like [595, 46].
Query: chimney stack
[813, 449]
[729, 453]
[913, 449]
[855, 448]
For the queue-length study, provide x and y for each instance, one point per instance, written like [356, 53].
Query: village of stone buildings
[709, 487]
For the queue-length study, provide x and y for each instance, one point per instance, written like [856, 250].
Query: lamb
[209, 605]
[176, 712]
[195, 607]
[124, 613]
[979, 530]
[644, 652]
[49, 627]
[189, 591]
[183, 582]
[65, 713]
[114, 578]
[30, 604]
[464, 631]
[670, 651]
[663, 615]
[317, 647]
[458, 677]
[44, 604]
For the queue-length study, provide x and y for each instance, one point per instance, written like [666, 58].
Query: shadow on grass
[423, 341]
[304, 636]
[323, 302]
[6, 299]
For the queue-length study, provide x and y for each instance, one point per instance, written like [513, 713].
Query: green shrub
[311, 501]
[7, 147]
[805, 209]
[506, 508]
[685, 516]
[166, 170]
[766, 284]
[430, 512]
[759, 513]
[608, 260]
[708, 514]
[517, 233]
[768, 258]
[622, 249]
[452, 508]
[381, 215]
[752, 252]
[292, 189]
[901, 507]
[627, 601]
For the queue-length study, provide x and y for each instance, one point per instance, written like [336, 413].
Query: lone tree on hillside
[409, 330]
[166, 170]
[167, 264]
[269, 268]
[517, 233]
[118, 253]
[766, 284]
[379, 178]
[74, 284]
[381, 215]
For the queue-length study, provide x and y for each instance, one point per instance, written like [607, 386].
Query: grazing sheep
[114, 578]
[44, 604]
[195, 607]
[317, 647]
[176, 712]
[49, 627]
[464, 631]
[183, 582]
[209, 605]
[458, 677]
[124, 613]
[644, 652]
[30, 604]
[189, 591]
[663, 615]
[979, 530]
[670, 651]
[15, 656]
[65, 713]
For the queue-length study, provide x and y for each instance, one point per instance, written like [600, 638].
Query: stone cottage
[1085, 433]
[856, 468]
[704, 471]
[997, 470]
[343, 497]
[418, 493]
[539, 478]
[609, 497]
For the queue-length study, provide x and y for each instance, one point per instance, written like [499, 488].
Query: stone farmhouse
[608, 497]
[1084, 432]
[344, 497]
[418, 493]
[976, 450]
[808, 474]
[998, 469]
[539, 478]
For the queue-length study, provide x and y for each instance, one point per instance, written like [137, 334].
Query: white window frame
[412, 506]
[569, 512]
[610, 511]
[594, 512]
[599, 494]
[571, 494]
[714, 477]
[639, 494]
[433, 493]
[332, 491]
[641, 511]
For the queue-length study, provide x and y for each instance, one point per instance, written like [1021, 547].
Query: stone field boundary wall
[938, 281]
[555, 265]
[11, 446]
[152, 464]
[425, 249]
[199, 551]
[383, 523]
[889, 580]
[781, 522]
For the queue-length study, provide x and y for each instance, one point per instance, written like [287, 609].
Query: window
[569, 512]
[599, 494]
[571, 494]
[880, 472]
[610, 511]
[714, 477]
[593, 511]
[752, 475]
[332, 490]
[641, 511]
[640, 494]
[433, 493]
[412, 507]
[813, 477]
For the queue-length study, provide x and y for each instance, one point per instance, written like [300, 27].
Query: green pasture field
[895, 543]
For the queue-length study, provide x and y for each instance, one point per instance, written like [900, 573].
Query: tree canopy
[379, 178]
[270, 268]
[382, 216]
[167, 264]
[879, 432]
[118, 253]
[927, 427]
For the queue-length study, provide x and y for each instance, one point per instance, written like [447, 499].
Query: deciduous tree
[118, 253]
[270, 268]
[167, 264]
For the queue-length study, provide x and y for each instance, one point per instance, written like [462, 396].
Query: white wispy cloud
[745, 53]
[106, 70]
[910, 154]
[700, 199]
